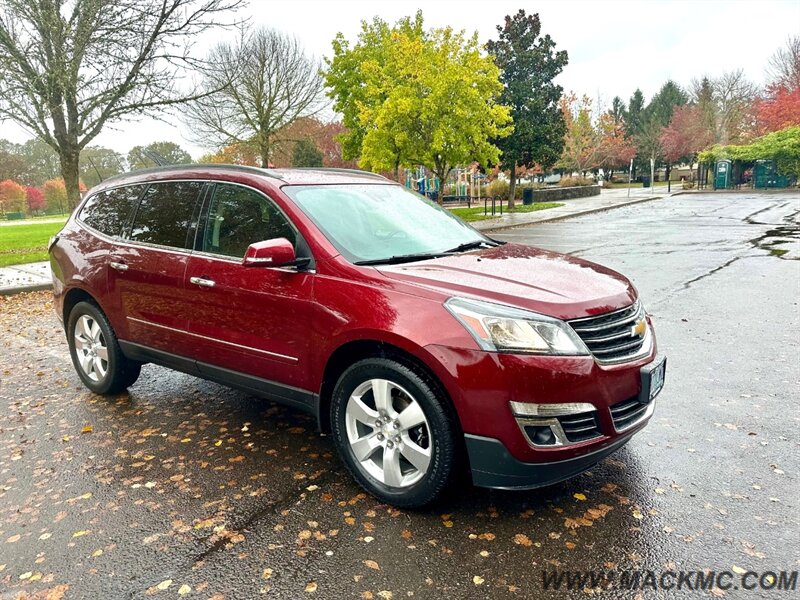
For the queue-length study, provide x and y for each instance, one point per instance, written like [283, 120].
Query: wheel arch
[353, 351]
[74, 296]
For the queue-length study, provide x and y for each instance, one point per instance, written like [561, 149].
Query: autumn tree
[142, 157]
[614, 150]
[686, 135]
[12, 196]
[581, 142]
[69, 68]
[255, 87]
[778, 109]
[528, 65]
[34, 198]
[55, 196]
[417, 97]
[234, 154]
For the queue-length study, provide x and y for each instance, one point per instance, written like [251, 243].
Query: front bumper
[492, 465]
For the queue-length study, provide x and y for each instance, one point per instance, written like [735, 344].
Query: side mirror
[278, 252]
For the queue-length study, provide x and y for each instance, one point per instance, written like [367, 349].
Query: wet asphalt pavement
[184, 488]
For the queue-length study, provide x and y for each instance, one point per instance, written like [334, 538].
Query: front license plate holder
[653, 376]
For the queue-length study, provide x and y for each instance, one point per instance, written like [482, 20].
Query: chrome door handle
[118, 266]
[202, 282]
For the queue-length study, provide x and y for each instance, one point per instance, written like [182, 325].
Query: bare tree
[67, 68]
[265, 83]
[727, 104]
[784, 66]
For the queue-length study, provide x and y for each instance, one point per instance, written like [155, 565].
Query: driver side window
[240, 216]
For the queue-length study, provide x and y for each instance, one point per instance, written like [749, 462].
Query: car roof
[277, 177]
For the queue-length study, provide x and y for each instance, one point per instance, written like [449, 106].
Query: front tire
[394, 432]
[95, 351]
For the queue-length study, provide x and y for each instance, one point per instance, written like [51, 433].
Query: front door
[251, 320]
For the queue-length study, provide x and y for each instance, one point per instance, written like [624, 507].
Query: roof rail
[168, 168]
[340, 170]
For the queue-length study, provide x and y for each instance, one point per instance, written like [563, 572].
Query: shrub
[574, 182]
[688, 185]
[498, 188]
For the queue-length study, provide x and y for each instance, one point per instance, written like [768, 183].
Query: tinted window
[239, 217]
[165, 212]
[108, 211]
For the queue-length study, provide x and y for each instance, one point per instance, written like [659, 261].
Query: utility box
[722, 174]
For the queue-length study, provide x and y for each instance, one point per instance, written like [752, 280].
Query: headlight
[499, 328]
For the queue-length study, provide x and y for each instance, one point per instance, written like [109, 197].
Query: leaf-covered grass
[476, 212]
[27, 243]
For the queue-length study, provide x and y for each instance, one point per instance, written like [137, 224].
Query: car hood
[531, 278]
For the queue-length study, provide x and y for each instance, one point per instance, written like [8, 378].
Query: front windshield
[373, 223]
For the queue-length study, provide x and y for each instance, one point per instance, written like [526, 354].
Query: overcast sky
[614, 47]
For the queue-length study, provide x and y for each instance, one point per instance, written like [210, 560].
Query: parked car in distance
[420, 344]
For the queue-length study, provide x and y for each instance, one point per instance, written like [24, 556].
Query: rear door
[146, 274]
[252, 320]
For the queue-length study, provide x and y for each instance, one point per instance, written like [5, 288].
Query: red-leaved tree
[685, 136]
[779, 109]
[35, 199]
[614, 152]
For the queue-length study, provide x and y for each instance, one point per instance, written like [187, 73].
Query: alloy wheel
[90, 348]
[388, 433]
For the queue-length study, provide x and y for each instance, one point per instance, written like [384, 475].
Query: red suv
[418, 342]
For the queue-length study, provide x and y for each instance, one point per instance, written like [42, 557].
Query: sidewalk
[36, 276]
[25, 278]
[607, 200]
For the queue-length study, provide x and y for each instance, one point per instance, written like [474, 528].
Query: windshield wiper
[470, 246]
[401, 258]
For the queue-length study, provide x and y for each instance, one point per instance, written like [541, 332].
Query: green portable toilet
[722, 174]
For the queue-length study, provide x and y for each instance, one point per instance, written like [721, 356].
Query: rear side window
[108, 211]
[165, 213]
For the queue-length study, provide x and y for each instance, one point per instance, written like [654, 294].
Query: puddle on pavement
[782, 242]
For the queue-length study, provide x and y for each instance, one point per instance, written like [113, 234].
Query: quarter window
[238, 217]
[108, 211]
[165, 213]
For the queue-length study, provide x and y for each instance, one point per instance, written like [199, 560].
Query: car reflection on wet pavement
[183, 487]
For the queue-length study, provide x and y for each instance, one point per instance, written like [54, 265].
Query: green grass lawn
[476, 212]
[27, 243]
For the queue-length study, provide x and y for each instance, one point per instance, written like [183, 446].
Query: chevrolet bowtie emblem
[639, 329]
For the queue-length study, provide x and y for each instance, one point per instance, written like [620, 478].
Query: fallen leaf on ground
[372, 564]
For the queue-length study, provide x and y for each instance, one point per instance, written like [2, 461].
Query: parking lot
[183, 487]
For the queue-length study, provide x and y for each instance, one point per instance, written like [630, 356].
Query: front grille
[627, 413]
[610, 337]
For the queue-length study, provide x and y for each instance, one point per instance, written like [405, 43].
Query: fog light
[541, 435]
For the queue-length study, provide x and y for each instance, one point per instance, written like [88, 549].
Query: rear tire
[95, 351]
[395, 432]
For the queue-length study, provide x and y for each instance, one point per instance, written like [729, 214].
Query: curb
[36, 287]
[588, 211]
